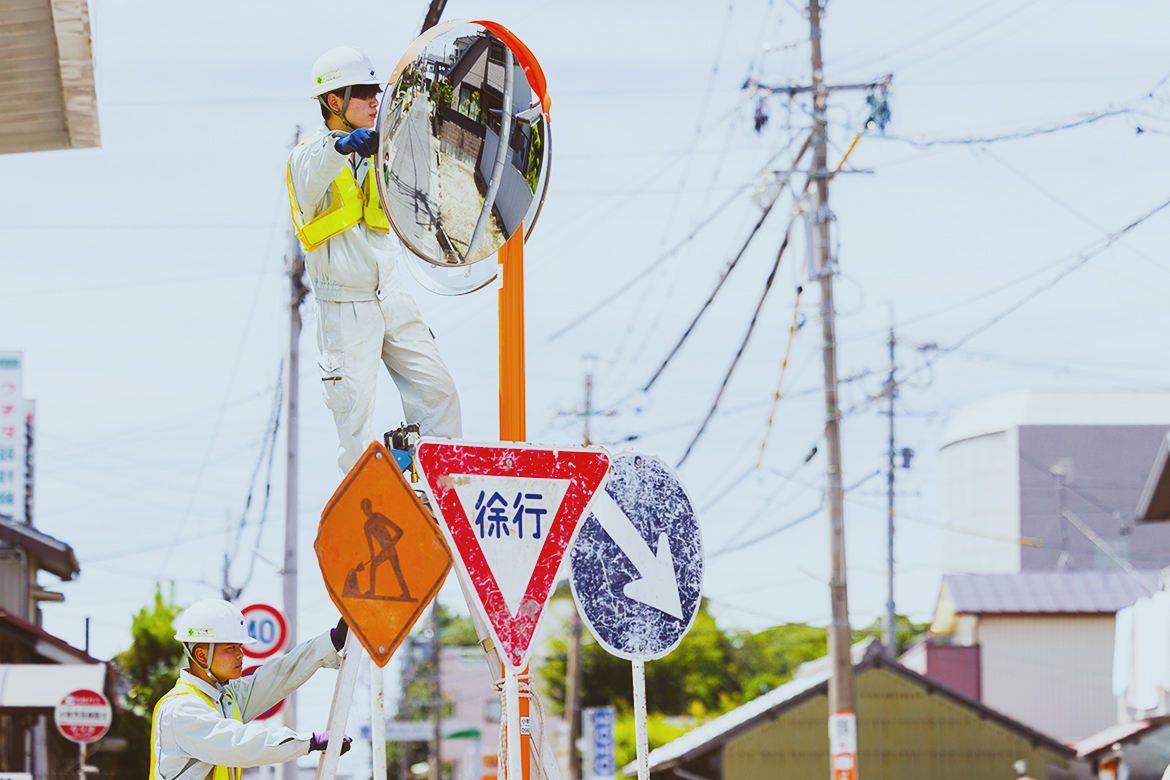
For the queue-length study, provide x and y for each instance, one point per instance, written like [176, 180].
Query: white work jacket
[359, 264]
[191, 739]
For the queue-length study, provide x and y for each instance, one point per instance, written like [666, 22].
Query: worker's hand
[339, 634]
[321, 741]
[362, 141]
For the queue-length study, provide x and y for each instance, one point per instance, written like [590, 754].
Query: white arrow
[657, 586]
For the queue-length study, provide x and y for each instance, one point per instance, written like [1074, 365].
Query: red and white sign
[275, 708]
[510, 511]
[83, 716]
[267, 625]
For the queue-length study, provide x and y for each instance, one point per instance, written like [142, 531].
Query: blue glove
[321, 741]
[362, 141]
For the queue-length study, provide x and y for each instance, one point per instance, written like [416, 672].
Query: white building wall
[981, 503]
[1051, 673]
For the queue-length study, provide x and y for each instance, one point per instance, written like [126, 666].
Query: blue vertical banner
[599, 761]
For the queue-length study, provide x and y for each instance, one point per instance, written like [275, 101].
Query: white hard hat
[342, 67]
[214, 621]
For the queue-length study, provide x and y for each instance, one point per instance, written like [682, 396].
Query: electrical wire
[699, 120]
[1081, 260]
[1067, 207]
[269, 448]
[730, 267]
[743, 344]
[630, 283]
[783, 367]
[202, 470]
[1046, 130]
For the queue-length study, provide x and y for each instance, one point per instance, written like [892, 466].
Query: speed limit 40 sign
[268, 627]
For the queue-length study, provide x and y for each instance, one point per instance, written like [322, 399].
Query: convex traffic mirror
[463, 160]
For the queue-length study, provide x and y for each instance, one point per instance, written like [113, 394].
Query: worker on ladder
[205, 728]
[363, 312]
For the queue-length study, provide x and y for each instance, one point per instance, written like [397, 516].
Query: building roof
[42, 642]
[1056, 592]
[1154, 503]
[52, 555]
[1103, 741]
[46, 76]
[1033, 407]
[772, 704]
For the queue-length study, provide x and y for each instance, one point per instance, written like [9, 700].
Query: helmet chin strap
[210, 654]
[344, 108]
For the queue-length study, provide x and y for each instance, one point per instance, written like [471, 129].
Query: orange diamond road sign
[382, 556]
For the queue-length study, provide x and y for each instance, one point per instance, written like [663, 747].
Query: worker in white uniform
[363, 313]
[205, 727]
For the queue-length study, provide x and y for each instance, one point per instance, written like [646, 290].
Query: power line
[630, 283]
[730, 267]
[231, 593]
[743, 345]
[1080, 262]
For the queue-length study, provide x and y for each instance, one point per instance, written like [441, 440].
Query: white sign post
[339, 711]
[83, 717]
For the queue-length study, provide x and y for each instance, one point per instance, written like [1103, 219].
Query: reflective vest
[184, 689]
[349, 205]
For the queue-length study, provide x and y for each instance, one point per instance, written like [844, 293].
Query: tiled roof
[1054, 592]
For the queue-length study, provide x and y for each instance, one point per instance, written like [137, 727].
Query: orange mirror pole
[512, 403]
[513, 417]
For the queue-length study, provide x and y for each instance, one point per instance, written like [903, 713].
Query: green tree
[906, 632]
[149, 668]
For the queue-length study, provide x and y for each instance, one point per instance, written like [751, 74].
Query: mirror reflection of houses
[474, 115]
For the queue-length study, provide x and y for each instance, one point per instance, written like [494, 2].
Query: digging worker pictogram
[382, 532]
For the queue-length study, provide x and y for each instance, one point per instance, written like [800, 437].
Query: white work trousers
[351, 337]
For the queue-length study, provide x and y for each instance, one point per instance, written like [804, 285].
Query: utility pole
[842, 718]
[891, 632]
[295, 268]
[574, 677]
[435, 772]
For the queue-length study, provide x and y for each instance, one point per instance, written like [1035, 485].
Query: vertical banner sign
[600, 759]
[843, 745]
[12, 437]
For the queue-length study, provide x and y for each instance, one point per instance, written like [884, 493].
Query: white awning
[45, 685]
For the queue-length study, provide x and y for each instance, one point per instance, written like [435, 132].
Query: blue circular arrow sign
[637, 562]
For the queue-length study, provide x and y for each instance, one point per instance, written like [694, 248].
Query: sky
[143, 280]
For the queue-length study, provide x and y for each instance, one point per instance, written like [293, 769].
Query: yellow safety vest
[183, 689]
[349, 205]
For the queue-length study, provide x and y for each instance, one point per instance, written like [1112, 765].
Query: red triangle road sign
[510, 511]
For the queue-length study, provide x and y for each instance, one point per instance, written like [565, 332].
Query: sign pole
[377, 720]
[513, 427]
[512, 697]
[339, 712]
[640, 737]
